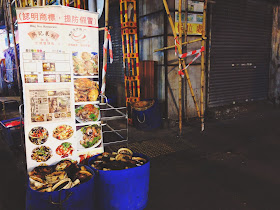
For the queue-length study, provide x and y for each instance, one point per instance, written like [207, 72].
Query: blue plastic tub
[122, 189]
[77, 198]
[148, 119]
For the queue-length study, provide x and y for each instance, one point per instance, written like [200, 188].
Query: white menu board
[59, 68]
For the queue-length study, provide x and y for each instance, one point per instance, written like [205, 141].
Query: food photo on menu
[48, 66]
[87, 113]
[49, 78]
[89, 136]
[85, 89]
[65, 78]
[41, 154]
[38, 135]
[31, 78]
[85, 63]
[64, 150]
[63, 132]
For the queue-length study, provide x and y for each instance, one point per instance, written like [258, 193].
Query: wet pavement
[233, 164]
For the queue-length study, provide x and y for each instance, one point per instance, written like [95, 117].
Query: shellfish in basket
[64, 175]
[123, 159]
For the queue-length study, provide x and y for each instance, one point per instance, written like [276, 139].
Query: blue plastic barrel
[79, 197]
[147, 119]
[122, 189]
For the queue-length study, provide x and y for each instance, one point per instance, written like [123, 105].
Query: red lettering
[26, 16]
[89, 19]
[83, 20]
[34, 16]
[43, 17]
[67, 18]
[51, 17]
[75, 19]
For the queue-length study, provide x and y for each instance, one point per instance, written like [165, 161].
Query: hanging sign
[59, 69]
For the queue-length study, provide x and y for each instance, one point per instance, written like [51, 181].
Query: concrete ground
[233, 164]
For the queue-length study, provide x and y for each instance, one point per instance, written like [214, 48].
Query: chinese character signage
[194, 25]
[59, 68]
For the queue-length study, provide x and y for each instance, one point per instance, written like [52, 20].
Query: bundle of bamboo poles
[182, 65]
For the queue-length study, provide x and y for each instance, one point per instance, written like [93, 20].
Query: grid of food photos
[86, 95]
[53, 133]
[46, 67]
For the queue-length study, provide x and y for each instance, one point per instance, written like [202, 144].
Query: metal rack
[114, 122]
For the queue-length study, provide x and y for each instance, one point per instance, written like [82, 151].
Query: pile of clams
[123, 159]
[64, 175]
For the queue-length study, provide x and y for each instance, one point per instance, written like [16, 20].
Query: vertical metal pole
[6, 22]
[15, 50]
[105, 36]
[180, 66]
[202, 78]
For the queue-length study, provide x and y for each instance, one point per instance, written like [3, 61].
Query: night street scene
[135, 104]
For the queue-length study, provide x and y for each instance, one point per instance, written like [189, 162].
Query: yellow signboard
[194, 28]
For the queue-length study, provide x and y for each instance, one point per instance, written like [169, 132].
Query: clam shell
[35, 184]
[123, 157]
[56, 177]
[125, 151]
[139, 159]
[76, 182]
[67, 186]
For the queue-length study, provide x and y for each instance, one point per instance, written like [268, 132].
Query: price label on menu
[59, 54]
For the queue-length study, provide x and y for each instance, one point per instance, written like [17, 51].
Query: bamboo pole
[15, 50]
[105, 36]
[180, 66]
[186, 49]
[186, 21]
[202, 78]
[180, 52]
[173, 46]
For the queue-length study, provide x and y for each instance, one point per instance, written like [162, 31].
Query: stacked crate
[130, 53]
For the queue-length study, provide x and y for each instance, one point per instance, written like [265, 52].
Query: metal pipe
[6, 22]
[115, 142]
[113, 130]
[105, 37]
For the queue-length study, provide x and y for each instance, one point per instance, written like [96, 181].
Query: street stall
[65, 111]
[59, 69]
